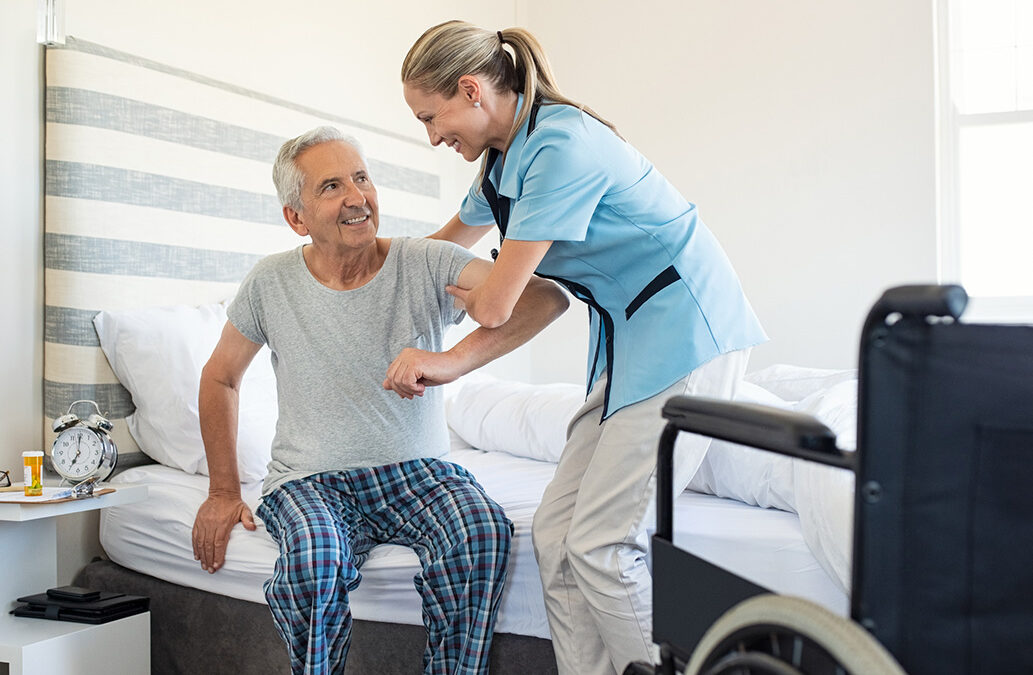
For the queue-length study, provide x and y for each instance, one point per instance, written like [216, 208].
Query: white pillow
[795, 383]
[528, 420]
[749, 475]
[769, 479]
[157, 354]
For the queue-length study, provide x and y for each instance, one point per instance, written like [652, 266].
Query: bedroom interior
[810, 145]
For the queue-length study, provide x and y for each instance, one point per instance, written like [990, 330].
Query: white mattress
[154, 537]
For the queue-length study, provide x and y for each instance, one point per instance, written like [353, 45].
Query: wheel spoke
[752, 662]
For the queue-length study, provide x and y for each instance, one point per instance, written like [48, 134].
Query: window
[986, 179]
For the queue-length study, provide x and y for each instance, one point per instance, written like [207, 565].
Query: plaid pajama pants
[327, 523]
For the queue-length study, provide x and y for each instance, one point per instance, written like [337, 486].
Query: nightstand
[28, 545]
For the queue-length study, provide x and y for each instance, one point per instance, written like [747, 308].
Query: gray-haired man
[355, 324]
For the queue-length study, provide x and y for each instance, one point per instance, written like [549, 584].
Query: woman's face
[452, 121]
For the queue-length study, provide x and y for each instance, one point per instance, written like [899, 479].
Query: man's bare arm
[218, 405]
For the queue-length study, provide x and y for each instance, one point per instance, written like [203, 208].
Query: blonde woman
[576, 203]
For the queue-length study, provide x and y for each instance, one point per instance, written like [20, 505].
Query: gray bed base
[195, 631]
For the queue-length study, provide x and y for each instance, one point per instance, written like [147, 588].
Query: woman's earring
[476, 104]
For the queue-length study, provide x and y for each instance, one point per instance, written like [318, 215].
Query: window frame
[949, 123]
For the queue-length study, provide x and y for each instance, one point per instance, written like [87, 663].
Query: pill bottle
[33, 461]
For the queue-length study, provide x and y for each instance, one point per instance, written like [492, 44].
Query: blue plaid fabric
[327, 523]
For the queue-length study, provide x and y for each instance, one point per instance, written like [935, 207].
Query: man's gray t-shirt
[331, 350]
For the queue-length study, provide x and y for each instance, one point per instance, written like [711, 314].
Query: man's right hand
[216, 518]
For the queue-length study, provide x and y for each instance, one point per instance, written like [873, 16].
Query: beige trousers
[591, 531]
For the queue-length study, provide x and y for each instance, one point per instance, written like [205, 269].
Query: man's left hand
[414, 370]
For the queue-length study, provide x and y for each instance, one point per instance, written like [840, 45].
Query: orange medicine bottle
[33, 461]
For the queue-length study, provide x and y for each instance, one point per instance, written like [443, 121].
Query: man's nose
[435, 138]
[353, 195]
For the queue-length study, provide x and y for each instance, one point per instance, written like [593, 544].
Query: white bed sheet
[154, 537]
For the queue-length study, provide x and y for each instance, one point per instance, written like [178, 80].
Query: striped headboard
[158, 192]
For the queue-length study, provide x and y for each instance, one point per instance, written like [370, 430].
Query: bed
[158, 201]
[522, 427]
[508, 434]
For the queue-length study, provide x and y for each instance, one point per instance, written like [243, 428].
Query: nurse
[574, 202]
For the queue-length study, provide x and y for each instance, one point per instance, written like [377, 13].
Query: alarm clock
[83, 448]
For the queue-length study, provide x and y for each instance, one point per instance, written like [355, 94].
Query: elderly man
[355, 325]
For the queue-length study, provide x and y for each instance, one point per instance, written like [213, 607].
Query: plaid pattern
[327, 523]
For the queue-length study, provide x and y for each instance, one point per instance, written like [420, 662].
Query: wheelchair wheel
[784, 635]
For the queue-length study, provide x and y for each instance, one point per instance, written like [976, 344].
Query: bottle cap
[33, 453]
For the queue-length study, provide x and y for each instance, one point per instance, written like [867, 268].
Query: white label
[28, 475]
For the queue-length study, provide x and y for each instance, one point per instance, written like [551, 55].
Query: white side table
[28, 546]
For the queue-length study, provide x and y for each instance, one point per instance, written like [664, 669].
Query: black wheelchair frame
[942, 573]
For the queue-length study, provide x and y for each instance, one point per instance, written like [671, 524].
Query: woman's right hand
[494, 288]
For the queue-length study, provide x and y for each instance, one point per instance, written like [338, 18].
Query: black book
[103, 607]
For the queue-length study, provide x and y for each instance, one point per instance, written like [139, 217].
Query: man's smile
[356, 220]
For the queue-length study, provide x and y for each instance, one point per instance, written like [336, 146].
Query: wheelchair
[942, 574]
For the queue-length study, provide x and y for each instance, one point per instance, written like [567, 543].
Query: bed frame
[158, 192]
[195, 631]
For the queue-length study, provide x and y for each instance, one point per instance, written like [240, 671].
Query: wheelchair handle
[919, 301]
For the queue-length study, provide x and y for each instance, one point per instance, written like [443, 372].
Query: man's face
[339, 201]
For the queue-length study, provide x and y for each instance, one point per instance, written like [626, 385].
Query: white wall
[803, 130]
[21, 263]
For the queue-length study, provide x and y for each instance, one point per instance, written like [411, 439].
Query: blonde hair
[452, 49]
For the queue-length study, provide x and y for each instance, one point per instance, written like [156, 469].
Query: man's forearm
[541, 303]
[218, 406]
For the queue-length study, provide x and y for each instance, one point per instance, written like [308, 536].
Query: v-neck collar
[508, 184]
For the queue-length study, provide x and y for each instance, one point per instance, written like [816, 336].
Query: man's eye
[329, 186]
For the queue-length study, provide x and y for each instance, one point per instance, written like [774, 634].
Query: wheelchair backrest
[943, 542]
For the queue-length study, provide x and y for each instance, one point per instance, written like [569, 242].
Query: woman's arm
[460, 233]
[413, 370]
[491, 303]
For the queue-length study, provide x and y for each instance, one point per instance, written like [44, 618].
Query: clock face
[77, 452]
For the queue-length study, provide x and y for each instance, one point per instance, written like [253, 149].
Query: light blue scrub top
[663, 296]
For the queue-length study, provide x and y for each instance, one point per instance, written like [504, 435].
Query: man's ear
[293, 219]
[470, 88]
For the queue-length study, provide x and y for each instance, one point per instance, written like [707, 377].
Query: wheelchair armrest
[782, 431]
